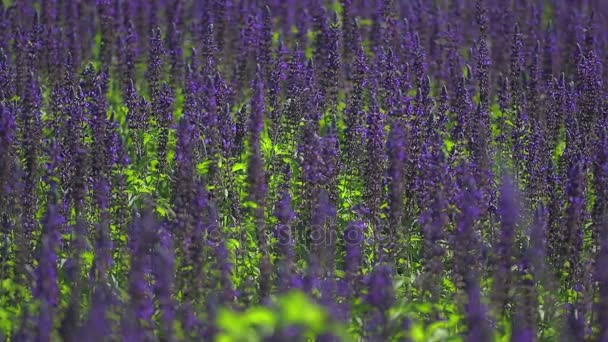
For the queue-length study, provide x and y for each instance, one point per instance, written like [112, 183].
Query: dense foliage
[286, 170]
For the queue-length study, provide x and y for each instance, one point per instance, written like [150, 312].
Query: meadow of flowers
[296, 170]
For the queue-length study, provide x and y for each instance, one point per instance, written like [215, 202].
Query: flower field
[303, 170]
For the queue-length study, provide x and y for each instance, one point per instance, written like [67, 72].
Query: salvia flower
[47, 282]
[285, 240]
[381, 296]
[509, 212]
[140, 290]
[257, 181]
[344, 149]
[354, 239]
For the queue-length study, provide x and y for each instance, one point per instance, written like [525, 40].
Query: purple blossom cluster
[407, 165]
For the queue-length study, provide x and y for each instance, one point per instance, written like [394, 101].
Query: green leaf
[559, 149]
[449, 145]
[260, 316]
[297, 309]
[417, 332]
[202, 168]
[239, 166]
